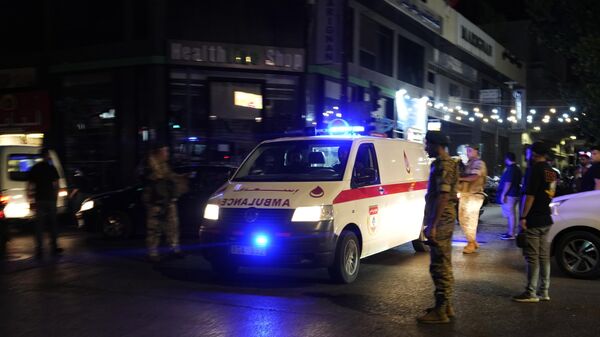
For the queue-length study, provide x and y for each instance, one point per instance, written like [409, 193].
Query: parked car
[575, 235]
[121, 213]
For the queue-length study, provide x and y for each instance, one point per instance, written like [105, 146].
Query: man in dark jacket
[42, 188]
[591, 178]
[509, 192]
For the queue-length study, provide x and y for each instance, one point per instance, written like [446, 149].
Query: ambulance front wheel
[347, 259]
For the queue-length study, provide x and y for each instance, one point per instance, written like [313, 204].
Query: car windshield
[299, 160]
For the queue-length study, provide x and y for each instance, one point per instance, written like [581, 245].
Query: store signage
[490, 96]
[475, 40]
[329, 31]
[236, 56]
[417, 10]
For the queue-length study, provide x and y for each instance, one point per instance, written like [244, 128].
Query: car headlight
[211, 212]
[86, 206]
[554, 206]
[313, 213]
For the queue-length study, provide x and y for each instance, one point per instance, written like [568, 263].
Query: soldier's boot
[449, 310]
[470, 248]
[436, 315]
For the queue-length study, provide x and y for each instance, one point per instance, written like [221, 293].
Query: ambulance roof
[339, 137]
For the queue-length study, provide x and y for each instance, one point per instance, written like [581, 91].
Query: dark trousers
[45, 216]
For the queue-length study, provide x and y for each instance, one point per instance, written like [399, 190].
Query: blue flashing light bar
[261, 240]
[193, 139]
[346, 129]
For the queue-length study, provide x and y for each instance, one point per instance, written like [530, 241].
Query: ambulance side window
[365, 171]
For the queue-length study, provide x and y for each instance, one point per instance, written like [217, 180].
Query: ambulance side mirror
[365, 177]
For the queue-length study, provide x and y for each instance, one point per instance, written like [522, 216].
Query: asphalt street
[103, 288]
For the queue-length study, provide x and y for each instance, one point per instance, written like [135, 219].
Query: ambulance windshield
[298, 160]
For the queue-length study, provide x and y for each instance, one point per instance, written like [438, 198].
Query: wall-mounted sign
[236, 56]
[329, 32]
[247, 100]
[418, 10]
[475, 40]
[490, 96]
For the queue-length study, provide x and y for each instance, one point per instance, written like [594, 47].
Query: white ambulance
[321, 201]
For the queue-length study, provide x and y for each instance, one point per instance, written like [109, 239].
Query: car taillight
[62, 193]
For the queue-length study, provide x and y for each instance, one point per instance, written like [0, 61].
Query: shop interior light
[573, 137]
[476, 109]
[573, 109]
[472, 119]
[532, 111]
[560, 119]
[458, 118]
[537, 128]
[513, 111]
[485, 120]
[553, 110]
[565, 115]
[495, 111]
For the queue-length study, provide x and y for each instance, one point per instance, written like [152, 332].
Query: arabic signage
[227, 55]
[475, 41]
[418, 10]
[489, 96]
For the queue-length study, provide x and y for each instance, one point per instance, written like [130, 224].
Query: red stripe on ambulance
[377, 191]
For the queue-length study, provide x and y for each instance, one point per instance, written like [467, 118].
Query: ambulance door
[366, 184]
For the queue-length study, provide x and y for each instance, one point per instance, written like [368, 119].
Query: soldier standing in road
[536, 220]
[439, 219]
[42, 188]
[160, 197]
[471, 197]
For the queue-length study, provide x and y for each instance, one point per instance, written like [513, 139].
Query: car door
[365, 183]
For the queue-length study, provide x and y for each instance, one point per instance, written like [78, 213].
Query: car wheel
[347, 259]
[117, 225]
[578, 254]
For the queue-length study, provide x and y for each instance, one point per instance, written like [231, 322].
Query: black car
[121, 213]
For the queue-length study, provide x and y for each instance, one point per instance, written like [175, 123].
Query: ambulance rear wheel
[347, 259]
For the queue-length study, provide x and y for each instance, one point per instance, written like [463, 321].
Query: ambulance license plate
[248, 250]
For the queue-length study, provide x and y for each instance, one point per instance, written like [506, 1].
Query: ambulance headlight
[313, 213]
[211, 212]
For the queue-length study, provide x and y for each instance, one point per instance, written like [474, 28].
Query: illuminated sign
[247, 100]
[228, 55]
[411, 116]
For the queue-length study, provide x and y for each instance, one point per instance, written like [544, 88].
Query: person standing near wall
[472, 182]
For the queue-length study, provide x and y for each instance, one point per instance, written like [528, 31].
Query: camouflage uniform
[160, 197]
[471, 199]
[443, 177]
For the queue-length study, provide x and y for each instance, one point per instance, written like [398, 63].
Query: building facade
[213, 78]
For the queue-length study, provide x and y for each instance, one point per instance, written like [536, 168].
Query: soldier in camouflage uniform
[440, 217]
[160, 197]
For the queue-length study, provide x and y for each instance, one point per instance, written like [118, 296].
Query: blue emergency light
[261, 240]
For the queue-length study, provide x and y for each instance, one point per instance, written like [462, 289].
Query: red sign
[26, 111]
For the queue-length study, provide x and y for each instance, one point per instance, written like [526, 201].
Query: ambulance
[319, 201]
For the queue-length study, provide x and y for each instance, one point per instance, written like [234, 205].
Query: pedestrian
[472, 182]
[162, 187]
[585, 163]
[535, 221]
[591, 178]
[42, 188]
[439, 221]
[508, 194]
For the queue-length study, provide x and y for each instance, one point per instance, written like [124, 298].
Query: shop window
[431, 77]
[376, 46]
[410, 61]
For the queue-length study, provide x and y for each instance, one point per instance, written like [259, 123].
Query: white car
[575, 235]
